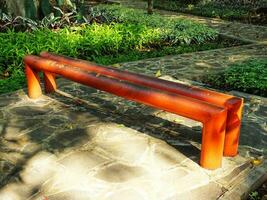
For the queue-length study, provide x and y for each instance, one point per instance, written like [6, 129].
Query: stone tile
[69, 139]
[112, 132]
[40, 134]
[6, 100]
[16, 192]
[1, 115]
[67, 181]
[39, 168]
[58, 121]
[5, 168]
[12, 157]
[69, 195]
[129, 194]
[118, 173]
[83, 161]
[30, 111]
[179, 180]
[210, 191]
[15, 128]
[136, 149]
[163, 157]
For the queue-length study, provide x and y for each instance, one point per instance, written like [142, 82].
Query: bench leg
[233, 129]
[33, 82]
[50, 82]
[213, 135]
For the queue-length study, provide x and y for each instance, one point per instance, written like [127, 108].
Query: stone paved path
[98, 147]
[102, 147]
[192, 66]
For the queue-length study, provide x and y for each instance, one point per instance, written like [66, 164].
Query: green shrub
[249, 76]
[15, 82]
[133, 55]
[101, 39]
[136, 36]
[207, 9]
[116, 38]
[86, 42]
[173, 31]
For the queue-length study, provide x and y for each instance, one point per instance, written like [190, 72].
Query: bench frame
[216, 111]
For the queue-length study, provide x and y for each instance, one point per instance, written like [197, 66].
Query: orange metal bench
[194, 103]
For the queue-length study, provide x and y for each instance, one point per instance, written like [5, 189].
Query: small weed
[254, 196]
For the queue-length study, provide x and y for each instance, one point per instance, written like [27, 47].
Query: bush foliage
[249, 76]
[208, 9]
[102, 39]
[174, 31]
[129, 33]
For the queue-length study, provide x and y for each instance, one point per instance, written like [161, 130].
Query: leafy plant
[254, 196]
[104, 44]
[249, 76]
[173, 31]
[209, 9]
[51, 20]
[122, 38]
[17, 23]
[12, 83]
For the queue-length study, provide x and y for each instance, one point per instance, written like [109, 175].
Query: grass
[249, 76]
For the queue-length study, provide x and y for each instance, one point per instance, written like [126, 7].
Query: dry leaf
[158, 74]
[256, 161]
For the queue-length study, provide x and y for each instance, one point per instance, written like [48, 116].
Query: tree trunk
[150, 6]
[33, 9]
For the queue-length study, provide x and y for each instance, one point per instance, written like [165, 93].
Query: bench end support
[33, 82]
[50, 82]
[213, 136]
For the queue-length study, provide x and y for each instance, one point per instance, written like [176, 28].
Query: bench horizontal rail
[212, 117]
[233, 104]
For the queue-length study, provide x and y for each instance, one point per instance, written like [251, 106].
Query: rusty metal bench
[216, 111]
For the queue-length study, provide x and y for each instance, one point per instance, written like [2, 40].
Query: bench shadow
[179, 136]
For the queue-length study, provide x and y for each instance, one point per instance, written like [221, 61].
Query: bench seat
[213, 117]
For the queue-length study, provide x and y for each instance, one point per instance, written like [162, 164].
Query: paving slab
[98, 146]
[193, 66]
